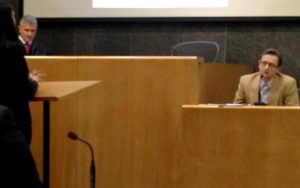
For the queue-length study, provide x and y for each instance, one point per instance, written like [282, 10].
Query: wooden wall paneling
[62, 114]
[137, 117]
[56, 68]
[219, 82]
[133, 119]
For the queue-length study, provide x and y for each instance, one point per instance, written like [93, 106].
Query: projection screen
[160, 8]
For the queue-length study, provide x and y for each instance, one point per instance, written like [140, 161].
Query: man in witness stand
[268, 86]
[27, 32]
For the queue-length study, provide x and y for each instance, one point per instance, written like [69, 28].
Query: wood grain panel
[240, 147]
[133, 118]
[140, 116]
[219, 82]
[62, 113]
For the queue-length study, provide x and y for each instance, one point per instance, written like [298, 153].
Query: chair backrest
[209, 50]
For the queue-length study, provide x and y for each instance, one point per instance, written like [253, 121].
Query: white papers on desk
[228, 105]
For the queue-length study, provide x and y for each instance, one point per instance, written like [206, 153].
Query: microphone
[260, 103]
[74, 136]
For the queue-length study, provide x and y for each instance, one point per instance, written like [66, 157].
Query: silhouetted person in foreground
[17, 167]
[18, 86]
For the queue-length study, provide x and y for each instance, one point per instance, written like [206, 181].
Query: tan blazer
[283, 91]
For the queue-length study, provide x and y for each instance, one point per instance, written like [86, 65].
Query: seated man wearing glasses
[268, 86]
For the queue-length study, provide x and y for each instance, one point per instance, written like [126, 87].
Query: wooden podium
[54, 91]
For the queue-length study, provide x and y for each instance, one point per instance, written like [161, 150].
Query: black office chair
[209, 50]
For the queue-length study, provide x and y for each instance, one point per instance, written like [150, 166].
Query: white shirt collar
[23, 41]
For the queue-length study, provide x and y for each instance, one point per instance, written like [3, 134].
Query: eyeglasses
[264, 64]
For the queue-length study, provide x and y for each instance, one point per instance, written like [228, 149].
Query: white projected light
[159, 3]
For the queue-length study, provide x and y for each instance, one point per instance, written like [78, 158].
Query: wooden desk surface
[237, 106]
[54, 90]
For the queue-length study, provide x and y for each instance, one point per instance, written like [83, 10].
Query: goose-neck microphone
[74, 136]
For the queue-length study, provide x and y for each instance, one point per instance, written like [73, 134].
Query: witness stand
[240, 146]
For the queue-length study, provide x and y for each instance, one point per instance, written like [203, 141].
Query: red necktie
[27, 47]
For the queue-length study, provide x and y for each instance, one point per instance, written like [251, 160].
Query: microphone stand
[74, 136]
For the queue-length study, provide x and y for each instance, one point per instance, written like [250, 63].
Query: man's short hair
[29, 19]
[275, 52]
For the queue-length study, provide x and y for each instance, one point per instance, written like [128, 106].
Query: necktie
[27, 47]
[264, 92]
